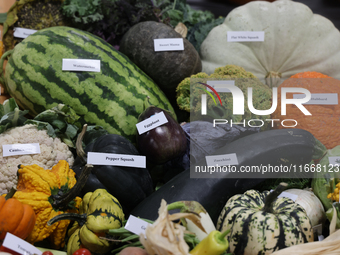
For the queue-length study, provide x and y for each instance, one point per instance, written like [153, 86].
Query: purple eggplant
[164, 142]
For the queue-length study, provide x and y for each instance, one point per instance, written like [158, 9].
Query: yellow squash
[45, 191]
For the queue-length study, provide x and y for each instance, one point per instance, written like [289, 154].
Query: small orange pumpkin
[324, 123]
[16, 218]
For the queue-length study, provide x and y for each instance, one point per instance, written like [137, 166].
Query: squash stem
[79, 145]
[268, 202]
[11, 193]
[80, 218]
[63, 200]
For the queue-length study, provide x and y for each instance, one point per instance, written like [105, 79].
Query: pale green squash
[295, 40]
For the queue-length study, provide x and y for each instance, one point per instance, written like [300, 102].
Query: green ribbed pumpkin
[112, 98]
[261, 223]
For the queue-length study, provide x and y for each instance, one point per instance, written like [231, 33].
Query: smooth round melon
[166, 68]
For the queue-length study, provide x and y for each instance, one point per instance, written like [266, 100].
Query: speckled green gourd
[259, 228]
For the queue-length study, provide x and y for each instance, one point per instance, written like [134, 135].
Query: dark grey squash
[166, 68]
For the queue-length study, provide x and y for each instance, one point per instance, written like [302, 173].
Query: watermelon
[112, 98]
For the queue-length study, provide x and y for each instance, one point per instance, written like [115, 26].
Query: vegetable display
[112, 98]
[99, 211]
[261, 223]
[209, 179]
[286, 47]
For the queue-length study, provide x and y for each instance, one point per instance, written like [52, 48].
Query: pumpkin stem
[79, 145]
[273, 79]
[62, 201]
[80, 218]
[11, 193]
[272, 196]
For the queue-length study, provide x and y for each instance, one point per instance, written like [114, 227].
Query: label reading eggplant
[136, 225]
[245, 36]
[88, 65]
[20, 246]
[168, 44]
[23, 32]
[320, 98]
[98, 158]
[20, 149]
[222, 160]
[219, 86]
[150, 123]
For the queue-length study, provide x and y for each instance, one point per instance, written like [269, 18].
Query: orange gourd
[16, 218]
[324, 123]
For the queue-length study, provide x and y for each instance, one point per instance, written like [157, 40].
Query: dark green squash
[166, 68]
[128, 184]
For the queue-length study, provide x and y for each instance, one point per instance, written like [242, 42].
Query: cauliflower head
[52, 150]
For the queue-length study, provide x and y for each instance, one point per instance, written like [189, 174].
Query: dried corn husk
[164, 237]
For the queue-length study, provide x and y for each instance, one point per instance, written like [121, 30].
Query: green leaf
[3, 17]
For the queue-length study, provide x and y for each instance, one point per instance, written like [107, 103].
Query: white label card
[289, 195]
[136, 225]
[219, 86]
[334, 161]
[245, 36]
[150, 123]
[89, 65]
[98, 158]
[168, 44]
[222, 160]
[20, 149]
[20, 246]
[23, 32]
[320, 98]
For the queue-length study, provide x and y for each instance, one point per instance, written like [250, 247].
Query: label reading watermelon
[88, 65]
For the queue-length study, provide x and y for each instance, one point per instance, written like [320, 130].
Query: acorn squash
[261, 223]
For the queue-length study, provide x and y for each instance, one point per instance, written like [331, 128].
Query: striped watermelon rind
[112, 98]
